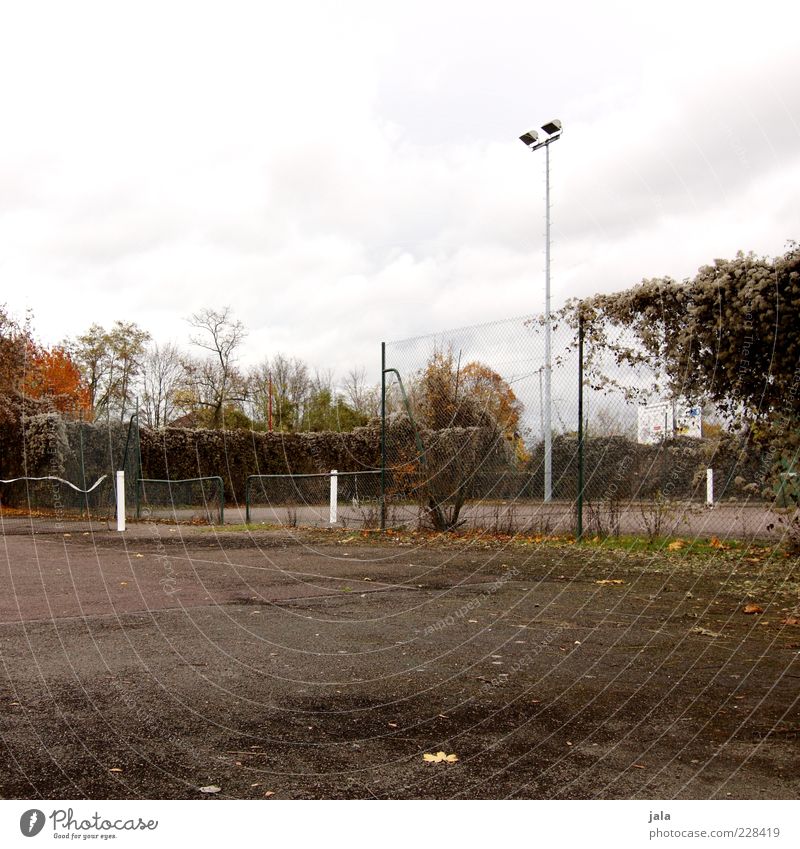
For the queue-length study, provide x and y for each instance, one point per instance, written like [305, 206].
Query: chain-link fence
[480, 432]
[340, 499]
[467, 422]
[68, 475]
[199, 501]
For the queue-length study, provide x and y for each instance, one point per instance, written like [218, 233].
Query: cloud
[342, 176]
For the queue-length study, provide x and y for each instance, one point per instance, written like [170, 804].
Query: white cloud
[344, 174]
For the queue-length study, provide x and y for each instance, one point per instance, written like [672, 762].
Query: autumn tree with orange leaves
[51, 373]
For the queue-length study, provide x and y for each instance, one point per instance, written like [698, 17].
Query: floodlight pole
[548, 419]
[531, 139]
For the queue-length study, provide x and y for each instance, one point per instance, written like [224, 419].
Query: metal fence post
[383, 436]
[579, 528]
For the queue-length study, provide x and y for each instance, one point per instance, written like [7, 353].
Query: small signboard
[665, 420]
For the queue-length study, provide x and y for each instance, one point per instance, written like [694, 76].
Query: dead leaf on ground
[440, 757]
[751, 608]
[210, 788]
[268, 794]
[705, 632]
[675, 546]
[715, 542]
[791, 620]
[115, 769]
[610, 581]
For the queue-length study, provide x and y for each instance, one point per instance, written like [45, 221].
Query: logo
[31, 822]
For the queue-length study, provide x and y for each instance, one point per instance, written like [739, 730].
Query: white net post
[120, 501]
[334, 495]
[710, 487]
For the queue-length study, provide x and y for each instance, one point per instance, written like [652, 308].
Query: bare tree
[290, 390]
[162, 376]
[363, 397]
[215, 380]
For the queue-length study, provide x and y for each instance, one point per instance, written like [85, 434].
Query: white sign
[663, 420]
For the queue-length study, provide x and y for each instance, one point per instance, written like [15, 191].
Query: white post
[120, 501]
[710, 487]
[334, 495]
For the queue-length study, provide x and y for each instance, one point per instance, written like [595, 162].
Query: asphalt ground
[326, 665]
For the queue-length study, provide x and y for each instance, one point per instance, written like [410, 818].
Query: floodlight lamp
[531, 137]
[552, 127]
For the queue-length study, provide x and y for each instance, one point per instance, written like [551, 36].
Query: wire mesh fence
[342, 499]
[467, 422]
[191, 500]
[483, 430]
[69, 475]
[660, 461]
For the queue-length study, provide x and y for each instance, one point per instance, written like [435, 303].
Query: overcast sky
[342, 173]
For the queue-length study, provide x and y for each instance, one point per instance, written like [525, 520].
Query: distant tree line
[109, 372]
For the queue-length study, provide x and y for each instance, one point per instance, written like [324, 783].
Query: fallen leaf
[791, 620]
[268, 794]
[139, 555]
[210, 788]
[705, 632]
[392, 724]
[638, 766]
[67, 535]
[440, 757]
[610, 581]
[123, 583]
[115, 769]
[715, 542]
[675, 546]
[751, 608]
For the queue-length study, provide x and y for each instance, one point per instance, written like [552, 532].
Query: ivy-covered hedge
[473, 457]
[234, 455]
[617, 467]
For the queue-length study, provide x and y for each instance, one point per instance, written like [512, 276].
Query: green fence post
[383, 436]
[579, 528]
